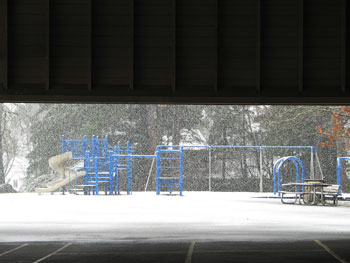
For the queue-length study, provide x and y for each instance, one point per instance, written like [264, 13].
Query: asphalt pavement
[183, 252]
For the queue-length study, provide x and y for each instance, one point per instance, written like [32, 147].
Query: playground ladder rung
[99, 178]
[84, 185]
[166, 158]
[100, 181]
[100, 173]
[169, 178]
[169, 167]
[170, 151]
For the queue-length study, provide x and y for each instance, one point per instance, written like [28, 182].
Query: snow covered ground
[145, 216]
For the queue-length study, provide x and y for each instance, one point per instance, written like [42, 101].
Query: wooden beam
[47, 14]
[173, 47]
[4, 42]
[90, 28]
[343, 38]
[216, 47]
[301, 46]
[258, 46]
[132, 45]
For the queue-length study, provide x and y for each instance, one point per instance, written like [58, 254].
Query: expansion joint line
[13, 249]
[190, 252]
[53, 253]
[340, 259]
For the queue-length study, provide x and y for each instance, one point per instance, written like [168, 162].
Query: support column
[90, 28]
[132, 45]
[216, 48]
[343, 79]
[258, 46]
[301, 46]
[173, 47]
[4, 43]
[47, 42]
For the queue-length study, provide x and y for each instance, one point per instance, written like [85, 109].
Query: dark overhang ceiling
[183, 51]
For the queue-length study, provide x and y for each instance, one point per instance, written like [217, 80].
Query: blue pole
[297, 173]
[181, 170]
[279, 179]
[128, 168]
[85, 144]
[97, 153]
[106, 147]
[274, 179]
[302, 174]
[93, 151]
[158, 171]
[111, 183]
[339, 172]
[117, 165]
[97, 163]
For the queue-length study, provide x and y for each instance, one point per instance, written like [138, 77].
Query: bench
[298, 195]
[330, 191]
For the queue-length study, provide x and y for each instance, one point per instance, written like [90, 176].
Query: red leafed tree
[340, 129]
[339, 136]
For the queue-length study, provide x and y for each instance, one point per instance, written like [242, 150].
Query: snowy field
[145, 216]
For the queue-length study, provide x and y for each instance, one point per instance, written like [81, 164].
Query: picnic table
[310, 193]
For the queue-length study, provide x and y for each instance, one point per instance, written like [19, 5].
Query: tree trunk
[176, 125]
[151, 128]
[243, 153]
[224, 135]
[2, 170]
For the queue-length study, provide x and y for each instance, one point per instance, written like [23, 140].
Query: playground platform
[146, 216]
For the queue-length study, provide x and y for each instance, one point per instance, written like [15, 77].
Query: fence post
[312, 172]
[209, 168]
[261, 171]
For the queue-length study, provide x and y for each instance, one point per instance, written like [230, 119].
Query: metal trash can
[309, 197]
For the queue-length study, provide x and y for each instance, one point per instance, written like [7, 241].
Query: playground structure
[102, 165]
[277, 172]
[339, 162]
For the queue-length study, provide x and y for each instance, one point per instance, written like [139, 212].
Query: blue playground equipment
[121, 159]
[277, 171]
[98, 173]
[169, 158]
[104, 164]
[95, 155]
[339, 159]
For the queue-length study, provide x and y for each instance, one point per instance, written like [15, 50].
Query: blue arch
[277, 170]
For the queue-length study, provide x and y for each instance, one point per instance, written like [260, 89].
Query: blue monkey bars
[277, 171]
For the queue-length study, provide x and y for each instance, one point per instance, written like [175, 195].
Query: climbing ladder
[120, 161]
[169, 168]
[100, 173]
[96, 166]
